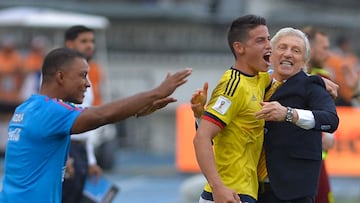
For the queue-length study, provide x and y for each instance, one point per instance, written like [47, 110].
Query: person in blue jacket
[40, 128]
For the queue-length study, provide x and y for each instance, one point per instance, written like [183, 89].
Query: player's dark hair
[311, 32]
[73, 32]
[239, 28]
[58, 59]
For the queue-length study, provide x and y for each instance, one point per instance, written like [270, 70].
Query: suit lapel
[288, 86]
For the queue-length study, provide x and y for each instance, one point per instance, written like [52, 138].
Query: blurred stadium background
[144, 39]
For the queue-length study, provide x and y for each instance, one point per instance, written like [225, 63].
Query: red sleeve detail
[214, 121]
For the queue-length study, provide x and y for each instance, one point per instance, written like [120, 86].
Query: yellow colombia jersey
[237, 147]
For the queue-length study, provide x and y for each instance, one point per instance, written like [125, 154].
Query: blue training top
[37, 149]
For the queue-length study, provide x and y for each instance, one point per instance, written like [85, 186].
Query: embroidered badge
[221, 105]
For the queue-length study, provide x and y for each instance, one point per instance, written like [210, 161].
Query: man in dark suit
[293, 146]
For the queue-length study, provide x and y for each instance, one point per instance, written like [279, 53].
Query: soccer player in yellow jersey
[229, 139]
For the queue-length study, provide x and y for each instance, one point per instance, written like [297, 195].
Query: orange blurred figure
[343, 63]
[11, 72]
[32, 65]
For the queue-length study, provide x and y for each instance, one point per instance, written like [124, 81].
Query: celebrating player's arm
[198, 102]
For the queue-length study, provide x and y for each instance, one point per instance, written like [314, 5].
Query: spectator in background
[32, 65]
[105, 144]
[11, 73]
[343, 63]
[320, 51]
[96, 79]
[82, 162]
[11, 81]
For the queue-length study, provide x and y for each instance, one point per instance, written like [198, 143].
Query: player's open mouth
[266, 57]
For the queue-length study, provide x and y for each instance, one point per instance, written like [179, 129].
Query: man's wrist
[289, 117]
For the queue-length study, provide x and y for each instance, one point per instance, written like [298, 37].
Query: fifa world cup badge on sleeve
[221, 105]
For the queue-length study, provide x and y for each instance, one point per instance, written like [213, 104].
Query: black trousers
[73, 187]
[266, 195]
[244, 198]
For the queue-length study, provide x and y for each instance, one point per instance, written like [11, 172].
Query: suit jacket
[293, 154]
